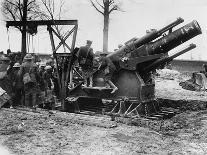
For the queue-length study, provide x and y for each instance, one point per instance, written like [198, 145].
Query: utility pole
[24, 33]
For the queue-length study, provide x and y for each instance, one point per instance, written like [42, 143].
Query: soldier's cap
[16, 65]
[48, 67]
[28, 57]
[88, 41]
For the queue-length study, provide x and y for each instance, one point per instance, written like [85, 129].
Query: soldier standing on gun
[109, 68]
[85, 59]
[29, 74]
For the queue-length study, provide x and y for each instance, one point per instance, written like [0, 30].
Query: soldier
[49, 85]
[29, 73]
[41, 83]
[85, 59]
[17, 85]
[41, 69]
[109, 68]
[51, 62]
[47, 76]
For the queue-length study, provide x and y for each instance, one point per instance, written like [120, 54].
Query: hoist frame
[63, 77]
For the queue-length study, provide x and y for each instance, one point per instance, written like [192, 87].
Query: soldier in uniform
[17, 85]
[85, 59]
[41, 83]
[49, 85]
[29, 74]
[109, 68]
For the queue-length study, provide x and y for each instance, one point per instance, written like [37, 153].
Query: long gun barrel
[170, 41]
[136, 43]
[155, 34]
[162, 61]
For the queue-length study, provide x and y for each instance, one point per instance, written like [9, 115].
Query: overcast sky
[137, 17]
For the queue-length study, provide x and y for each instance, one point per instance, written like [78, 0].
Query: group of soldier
[29, 83]
[24, 81]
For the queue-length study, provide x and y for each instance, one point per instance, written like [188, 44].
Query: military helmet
[28, 57]
[48, 67]
[16, 65]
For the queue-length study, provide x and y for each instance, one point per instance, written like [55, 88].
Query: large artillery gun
[135, 63]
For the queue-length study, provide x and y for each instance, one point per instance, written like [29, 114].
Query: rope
[32, 44]
[8, 37]
[28, 42]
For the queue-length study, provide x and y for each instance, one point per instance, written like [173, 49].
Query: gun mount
[134, 62]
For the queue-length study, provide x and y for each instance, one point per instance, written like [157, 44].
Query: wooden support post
[53, 49]
[24, 30]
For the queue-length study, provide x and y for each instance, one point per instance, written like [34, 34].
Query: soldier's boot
[34, 100]
[11, 104]
[27, 100]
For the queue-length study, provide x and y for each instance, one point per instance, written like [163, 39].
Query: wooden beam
[42, 22]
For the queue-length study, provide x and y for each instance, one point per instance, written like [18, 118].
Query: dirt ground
[23, 132]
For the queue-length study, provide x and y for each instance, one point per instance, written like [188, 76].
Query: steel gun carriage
[135, 63]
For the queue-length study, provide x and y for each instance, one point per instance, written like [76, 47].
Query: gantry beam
[42, 22]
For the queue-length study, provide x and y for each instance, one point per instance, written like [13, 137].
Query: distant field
[187, 65]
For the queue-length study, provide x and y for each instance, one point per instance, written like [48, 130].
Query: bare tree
[54, 10]
[105, 7]
[28, 10]
[12, 10]
[21, 10]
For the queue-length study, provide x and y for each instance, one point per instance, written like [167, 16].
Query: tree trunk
[23, 48]
[24, 33]
[106, 29]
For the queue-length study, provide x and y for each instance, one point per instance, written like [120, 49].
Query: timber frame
[63, 60]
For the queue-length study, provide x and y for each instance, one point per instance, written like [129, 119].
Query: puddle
[121, 137]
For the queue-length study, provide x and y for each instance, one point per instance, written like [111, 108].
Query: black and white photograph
[103, 77]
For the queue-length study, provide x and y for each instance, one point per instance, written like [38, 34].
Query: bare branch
[96, 7]
[111, 2]
[99, 4]
[28, 4]
[7, 1]
[20, 10]
[115, 7]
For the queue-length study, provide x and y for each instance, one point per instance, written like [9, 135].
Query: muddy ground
[43, 132]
